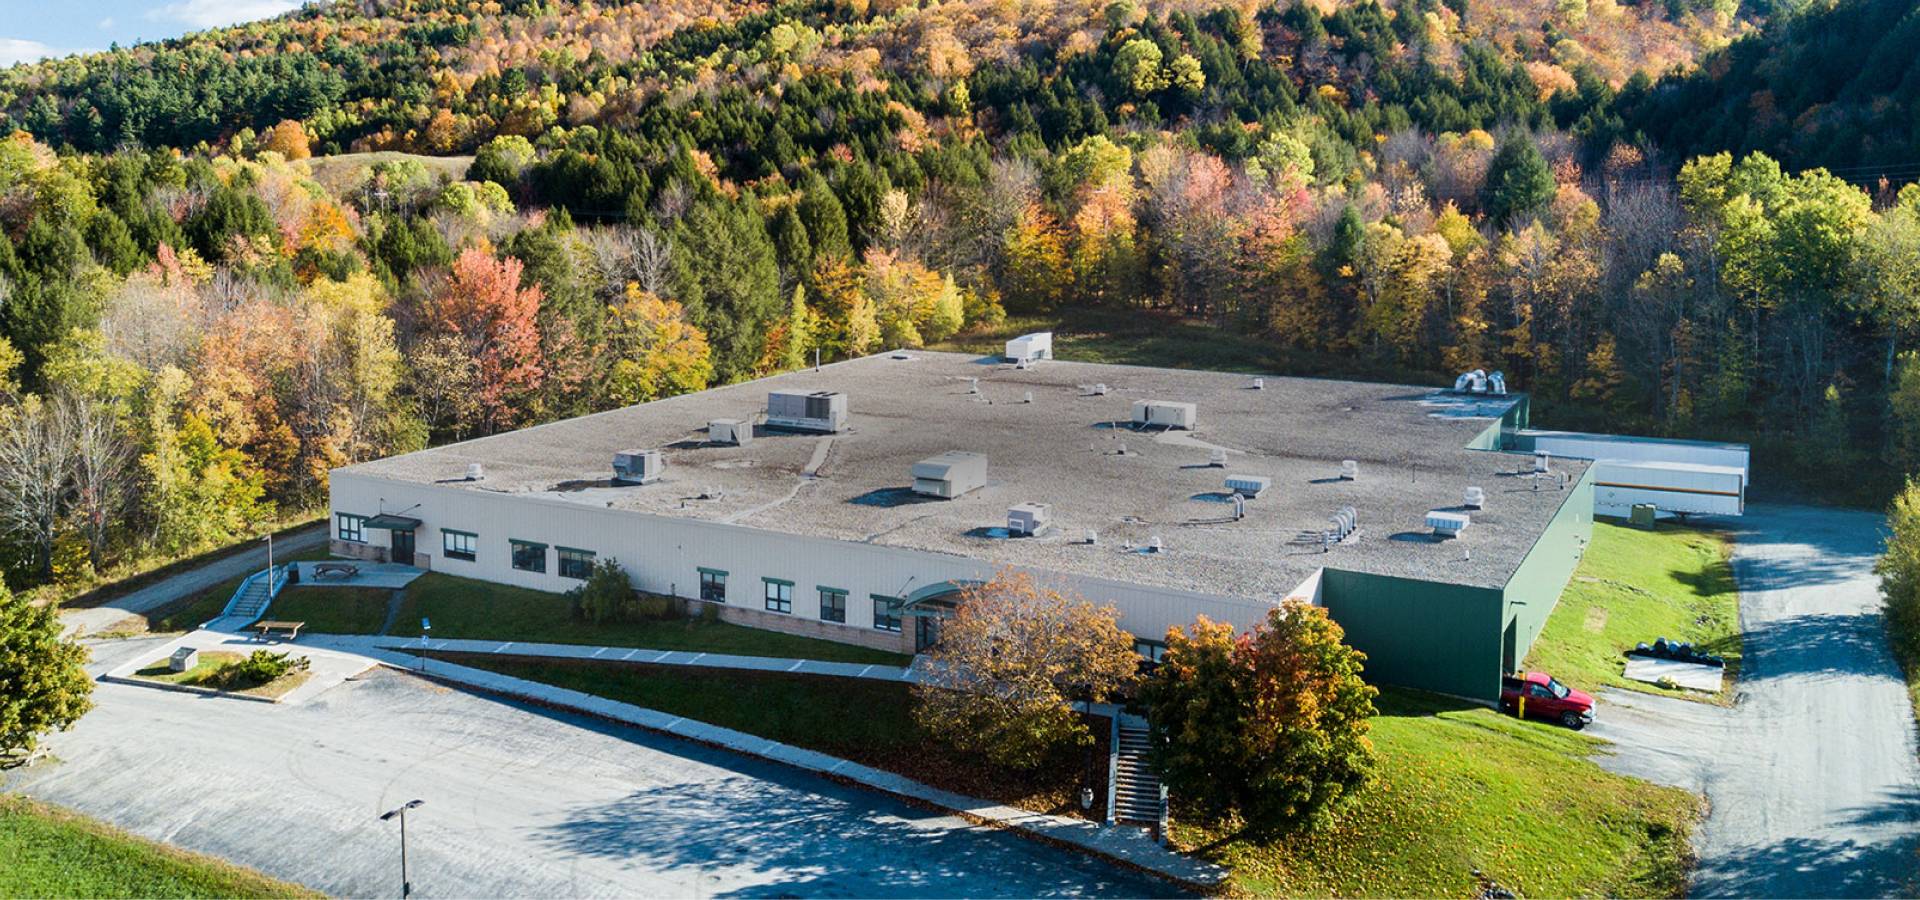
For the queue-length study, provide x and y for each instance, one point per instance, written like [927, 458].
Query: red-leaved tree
[482, 303]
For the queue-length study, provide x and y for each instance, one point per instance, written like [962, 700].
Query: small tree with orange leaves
[1270, 726]
[1002, 680]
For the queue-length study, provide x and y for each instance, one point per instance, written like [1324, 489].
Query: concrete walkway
[359, 643]
[1133, 846]
[326, 668]
[82, 622]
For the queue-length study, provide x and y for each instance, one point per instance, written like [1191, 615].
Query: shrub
[260, 667]
[1899, 568]
[43, 685]
[607, 596]
[1270, 726]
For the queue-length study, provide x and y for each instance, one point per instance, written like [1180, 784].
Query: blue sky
[32, 29]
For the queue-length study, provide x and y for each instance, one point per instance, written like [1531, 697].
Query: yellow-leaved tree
[654, 351]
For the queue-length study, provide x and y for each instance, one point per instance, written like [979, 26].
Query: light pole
[269, 563]
[406, 885]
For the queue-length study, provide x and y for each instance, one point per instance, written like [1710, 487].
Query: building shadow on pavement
[1818, 644]
[791, 840]
[1810, 867]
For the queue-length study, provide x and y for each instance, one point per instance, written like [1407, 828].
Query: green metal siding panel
[1499, 435]
[1535, 587]
[1420, 634]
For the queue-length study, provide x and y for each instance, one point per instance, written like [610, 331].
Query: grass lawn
[866, 721]
[187, 613]
[209, 672]
[53, 852]
[1634, 585]
[465, 608]
[1463, 788]
[333, 610]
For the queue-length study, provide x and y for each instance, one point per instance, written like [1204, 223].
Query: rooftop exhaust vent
[1542, 462]
[733, 432]
[1249, 486]
[950, 474]
[1474, 382]
[820, 411]
[1165, 414]
[1344, 522]
[1217, 458]
[1497, 383]
[1029, 519]
[1259, 384]
[1349, 470]
[638, 466]
[1027, 348]
[475, 472]
[1476, 498]
[1095, 390]
[1092, 537]
[1447, 524]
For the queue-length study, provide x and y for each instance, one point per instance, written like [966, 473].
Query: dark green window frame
[529, 556]
[351, 527]
[452, 547]
[779, 594]
[575, 563]
[833, 604]
[713, 585]
[886, 613]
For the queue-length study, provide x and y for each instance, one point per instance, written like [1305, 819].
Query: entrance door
[402, 547]
[926, 632]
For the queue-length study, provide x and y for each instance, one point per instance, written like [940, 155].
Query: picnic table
[268, 627]
[334, 570]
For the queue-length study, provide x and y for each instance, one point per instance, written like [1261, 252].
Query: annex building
[854, 501]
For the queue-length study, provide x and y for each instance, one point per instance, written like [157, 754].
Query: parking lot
[519, 802]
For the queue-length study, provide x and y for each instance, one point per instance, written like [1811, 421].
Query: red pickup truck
[1546, 698]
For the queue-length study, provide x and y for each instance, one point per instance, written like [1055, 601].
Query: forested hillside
[664, 196]
[1836, 86]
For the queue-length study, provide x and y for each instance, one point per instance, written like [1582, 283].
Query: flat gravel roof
[1064, 448]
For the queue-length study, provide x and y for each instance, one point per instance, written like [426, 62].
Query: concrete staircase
[251, 599]
[1138, 796]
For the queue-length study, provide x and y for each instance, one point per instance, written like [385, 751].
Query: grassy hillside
[51, 852]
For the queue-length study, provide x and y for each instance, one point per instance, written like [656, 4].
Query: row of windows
[778, 597]
[530, 556]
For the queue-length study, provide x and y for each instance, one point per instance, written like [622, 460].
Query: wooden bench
[334, 570]
[292, 629]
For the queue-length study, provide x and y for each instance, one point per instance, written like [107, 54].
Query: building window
[713, 585]
[352, 528]
[459, 544]
[886, 613]
[779, 595]
[529, 556]
[833, 605]
[1152, 651]
[575, 563]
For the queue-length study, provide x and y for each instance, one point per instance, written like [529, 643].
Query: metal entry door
[402, 547]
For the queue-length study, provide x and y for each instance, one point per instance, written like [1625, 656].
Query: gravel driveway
[519, 803]
[1812, 776]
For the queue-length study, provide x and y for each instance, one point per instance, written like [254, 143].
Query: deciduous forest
[239, 259]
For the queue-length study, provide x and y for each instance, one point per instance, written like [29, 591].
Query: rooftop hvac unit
[1472, 382]
[1476, 498]
[1217, 458]
[730, 431]
[1097, 390]
[1029, 347]
[1164, 414]
[1249, 486]
[950, 474]
[1447, 524]
[1029, 519]
[1543, 461]
[1349, 470]
[637, 466]
[475, 472]
[822, 411]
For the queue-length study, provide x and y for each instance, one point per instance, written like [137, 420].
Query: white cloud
[18, 50]
[215, 13]
[106, 24]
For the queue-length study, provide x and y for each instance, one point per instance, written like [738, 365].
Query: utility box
[638, 466]
[733, 432]
[1248, 486]
[818, 411]
[1030, 347]
[1029, 519]
[950, 474]
[1164, 414]
[183, 659]
[1644, 515]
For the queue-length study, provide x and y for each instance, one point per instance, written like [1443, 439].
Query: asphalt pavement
[1812, 777]
[520, 802]
[82, 622]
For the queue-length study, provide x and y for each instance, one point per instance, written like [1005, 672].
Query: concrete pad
[391, 576]
[326, 668]
[1692, 676]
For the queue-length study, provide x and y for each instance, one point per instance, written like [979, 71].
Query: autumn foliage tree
[497, 322]
[46, 684]
[1269, 726]
[1009, 664]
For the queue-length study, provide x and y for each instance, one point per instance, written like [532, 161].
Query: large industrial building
[852, 502]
